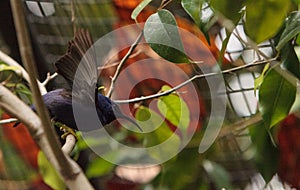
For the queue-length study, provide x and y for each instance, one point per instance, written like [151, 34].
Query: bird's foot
[66, 130]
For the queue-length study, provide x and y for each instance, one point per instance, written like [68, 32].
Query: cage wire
[51, 26]
[242, 101]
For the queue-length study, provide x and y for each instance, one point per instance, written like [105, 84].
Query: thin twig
[122, 62]
[73, 16]
[6, 121]
[163, 4]
[49, 77]
[228, 71]
[239, 126]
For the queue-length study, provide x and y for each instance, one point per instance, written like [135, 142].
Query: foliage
[49, 174]
[162, 35]
[171, 116]
[10, 78]
[264, 20]
[275, 102]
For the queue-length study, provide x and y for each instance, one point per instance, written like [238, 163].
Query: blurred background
[242, 157]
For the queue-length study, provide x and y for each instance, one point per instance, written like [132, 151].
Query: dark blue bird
[78, 67]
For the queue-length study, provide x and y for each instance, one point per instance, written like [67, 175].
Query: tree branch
[49, 77]
[165, 93]
[122, 62]
[69, 144]
[15, 107]
[10, 120]
[70, 171]
[239, 126]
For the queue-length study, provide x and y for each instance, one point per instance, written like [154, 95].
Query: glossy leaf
[193, 8]
[292, 28]
[264, 18]
[174, 110]
[290, 60]
[4, 67]
[160, 133]
[161, 33]
[266, 154]
[139, 8]
[49, 174]
[276, 96]
[231, 9]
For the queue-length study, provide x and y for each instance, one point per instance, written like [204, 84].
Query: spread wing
[78, 66]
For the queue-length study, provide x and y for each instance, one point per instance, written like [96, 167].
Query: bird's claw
[67, 131]
[64, 128]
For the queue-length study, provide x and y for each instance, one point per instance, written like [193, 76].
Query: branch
[29, 63]
[165, 93]
[69, 144]
[69, 170]
[10, 120]
[15, 107]
[49, 77]
[239, 126]
[122, 62]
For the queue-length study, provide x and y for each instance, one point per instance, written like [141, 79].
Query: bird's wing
[78, 65]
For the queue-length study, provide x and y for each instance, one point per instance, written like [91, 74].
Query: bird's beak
[122, 116]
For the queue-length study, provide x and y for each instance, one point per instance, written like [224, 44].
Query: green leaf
[4, 67]
[265, 153]
[290, 60]
[98, 167]
[139, 8]
[276, 96]
[259, 80]
[264, 18]
[231, 9]
[161, 33]
[218, 174]
[174, 109]
[49, 174]
[292, 29]
[161, 133]
[193, 8]
[24, 93]
[298, 40]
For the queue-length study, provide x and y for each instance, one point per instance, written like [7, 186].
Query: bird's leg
[64, 128]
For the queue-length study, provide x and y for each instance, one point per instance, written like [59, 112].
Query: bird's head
[111, 111]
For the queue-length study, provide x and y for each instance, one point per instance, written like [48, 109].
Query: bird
[78, 67]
